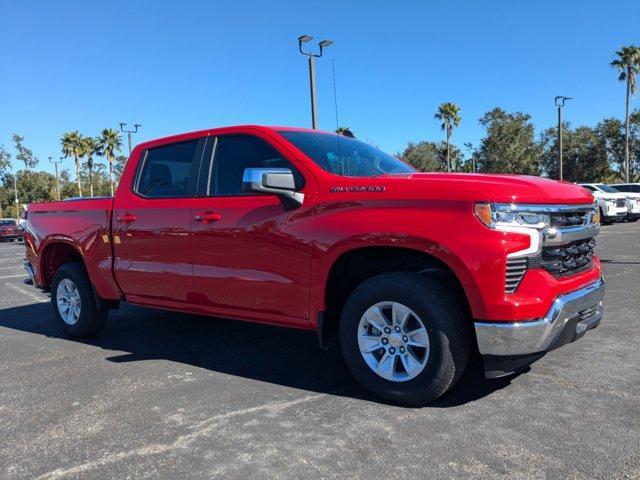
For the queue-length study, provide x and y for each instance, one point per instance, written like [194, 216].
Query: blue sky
[180, 66]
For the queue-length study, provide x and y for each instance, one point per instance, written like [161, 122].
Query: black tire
[446, 323]
[91, 319]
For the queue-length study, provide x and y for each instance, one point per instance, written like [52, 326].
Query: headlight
[509, 216]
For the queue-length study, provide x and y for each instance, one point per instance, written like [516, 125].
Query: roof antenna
[335, 94]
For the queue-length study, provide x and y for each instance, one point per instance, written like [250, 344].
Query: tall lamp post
[129, 132]
[55, 164]
[559, 101]
[312, 73]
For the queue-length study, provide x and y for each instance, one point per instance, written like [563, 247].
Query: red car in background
[10, 230]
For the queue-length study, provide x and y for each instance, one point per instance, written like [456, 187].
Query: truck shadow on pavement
[265, 353]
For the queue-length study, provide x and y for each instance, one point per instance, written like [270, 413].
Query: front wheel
[74, 303]
[404, 337]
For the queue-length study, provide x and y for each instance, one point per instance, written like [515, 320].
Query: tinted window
[622, 188]
[635, 188]
[233, 154]
[167, 170]
[589, 187]
[7, 223]
[345, 156]
[606, 188]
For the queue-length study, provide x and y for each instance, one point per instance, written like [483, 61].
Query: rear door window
[169, 171]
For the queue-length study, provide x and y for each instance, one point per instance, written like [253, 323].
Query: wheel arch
[55, 254]
[351, 267]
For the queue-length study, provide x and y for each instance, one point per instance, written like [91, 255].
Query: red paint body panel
[83, 225]
[254, 259]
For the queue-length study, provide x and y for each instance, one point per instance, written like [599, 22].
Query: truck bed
[79, 228]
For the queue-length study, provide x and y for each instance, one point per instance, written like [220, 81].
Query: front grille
[516, 268]
[569, 258]
[621, 202]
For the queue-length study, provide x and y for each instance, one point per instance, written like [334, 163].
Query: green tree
[423, 156]
[509, 145]
[634, 145]
[110, 143]
[346, 131]
[118, 167]
[25, 154]
[90, 148]
[72, 146]
[584, 156]
[432, 156]
[627, 64]
[68, 188]
[613, 135]
[99, 178]
[449, 114]
[5, 160]
[36, 186]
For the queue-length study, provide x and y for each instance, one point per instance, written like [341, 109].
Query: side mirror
[278, 181]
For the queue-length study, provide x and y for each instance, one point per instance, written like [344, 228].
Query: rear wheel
[404, 337]
[74, 303]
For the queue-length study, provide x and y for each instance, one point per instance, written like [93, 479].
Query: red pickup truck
[411, 272]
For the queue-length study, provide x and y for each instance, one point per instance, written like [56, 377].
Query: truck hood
[486, 188]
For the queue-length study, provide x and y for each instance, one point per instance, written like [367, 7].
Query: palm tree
[449, 114]
[628, 65]
[91, 147]
[110, 143]
[72, 147]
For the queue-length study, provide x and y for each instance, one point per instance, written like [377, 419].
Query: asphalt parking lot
[166, 395]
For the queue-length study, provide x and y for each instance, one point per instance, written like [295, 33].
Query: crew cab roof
[225, 130]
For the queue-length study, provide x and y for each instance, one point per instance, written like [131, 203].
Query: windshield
[345, 156]
[6, 223]
[607, 188]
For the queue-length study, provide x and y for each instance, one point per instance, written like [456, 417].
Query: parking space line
[183, 441]
[27, 293]
[13, 276]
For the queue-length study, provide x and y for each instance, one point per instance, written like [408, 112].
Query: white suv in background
[632, 192]
[612, 203]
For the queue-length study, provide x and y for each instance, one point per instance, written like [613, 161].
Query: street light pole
[559, 101]
[312, 73]
[55, 164]
[129, 132]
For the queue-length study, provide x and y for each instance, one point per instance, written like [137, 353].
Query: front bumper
[10, 236]
[613, 212]
[569, 317]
